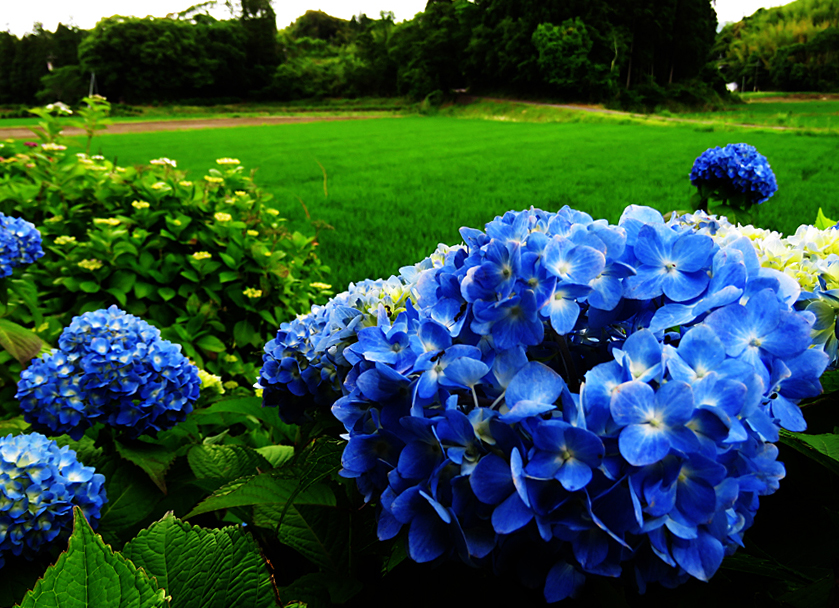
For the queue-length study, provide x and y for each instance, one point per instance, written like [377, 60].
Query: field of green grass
[398, 186]
[796, 114]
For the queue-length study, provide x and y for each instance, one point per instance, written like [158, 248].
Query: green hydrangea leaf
[154, 459]
[277, 455]
[21, 343]
[167, 293]
[89, 573]
[264, 489]
[203, 568]
[225, 461]
[824, 448]
[211, 343]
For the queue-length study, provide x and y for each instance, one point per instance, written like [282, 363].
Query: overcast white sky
[17, 16]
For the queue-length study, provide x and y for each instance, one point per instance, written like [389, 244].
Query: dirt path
[188, 124]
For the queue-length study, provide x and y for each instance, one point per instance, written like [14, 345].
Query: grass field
[398, 186]
[802, 114]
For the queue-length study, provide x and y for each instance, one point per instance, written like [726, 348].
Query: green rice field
[395, 187]
[801, 114]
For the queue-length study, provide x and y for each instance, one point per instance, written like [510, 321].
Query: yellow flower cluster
[210, 381]
[164, 161]
[223, 217]
[201, 255]
[253, 293]
[159, 186]
[240, 193]
[90, 264]
[51, 147]
[273, 212]
[319, 285]
[185, 184]
[108, 221]
[253, 233]
[227, 161]
[63, 240]
[140, 205]
[213, 180]
[54, 219]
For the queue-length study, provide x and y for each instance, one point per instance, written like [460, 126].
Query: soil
[183, 125]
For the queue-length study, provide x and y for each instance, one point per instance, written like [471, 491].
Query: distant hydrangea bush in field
[735, 170]
[40, 483]
[110, 367]
[20, 244]
[562, 397]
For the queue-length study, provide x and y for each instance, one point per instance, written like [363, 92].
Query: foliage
[789, 48]
[197, 259]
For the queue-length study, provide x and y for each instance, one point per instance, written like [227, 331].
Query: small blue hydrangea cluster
[110, 367]
[567, 394]
[735, 169]
[20, 243]
[40, 484]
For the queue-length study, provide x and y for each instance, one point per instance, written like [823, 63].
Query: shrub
[208, 261]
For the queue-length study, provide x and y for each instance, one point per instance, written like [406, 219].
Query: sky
[18, 16]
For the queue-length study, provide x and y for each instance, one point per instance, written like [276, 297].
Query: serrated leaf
[167, 293]
[131, 497]
[320, 534]
[154, 459]
[21, 343]
[227, 275]
[824, 449]
[264, 489]
[13, 426]
[211, 343]
[225, 461]
[89, 573]
[203, 568]
[276, 455]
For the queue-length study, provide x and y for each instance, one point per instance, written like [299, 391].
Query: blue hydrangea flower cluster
[110, 367]
[579, 397]
[40, 484]
[735, 169]
[20, 243]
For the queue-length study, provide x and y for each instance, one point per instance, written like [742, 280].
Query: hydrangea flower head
[20, 243]
[110, 367]
[603, 395]
[736, 169]
[40, 483]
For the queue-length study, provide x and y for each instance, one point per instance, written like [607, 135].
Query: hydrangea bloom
[603, 396]
[20, 243]
[736, 169]
[110, 367]
[40, 484]
[810, 257]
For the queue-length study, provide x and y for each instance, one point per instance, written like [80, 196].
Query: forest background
[634, 54]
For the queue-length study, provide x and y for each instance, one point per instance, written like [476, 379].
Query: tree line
[794, 47]
[630, 52]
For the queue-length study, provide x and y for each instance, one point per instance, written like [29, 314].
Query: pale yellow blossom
[51, 147]
[109, 221]
[140, 205]
[63, 240]
[223, 217]
[185, 184]
[210, 382]
[227, 161]
[253, 293]
[240, 193]
[90, 264]
[253, 233]
[213, 180]
[273, 212]
[164, 161]
[201, 255]
[319, 285]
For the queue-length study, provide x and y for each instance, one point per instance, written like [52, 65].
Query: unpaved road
[189, 124]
